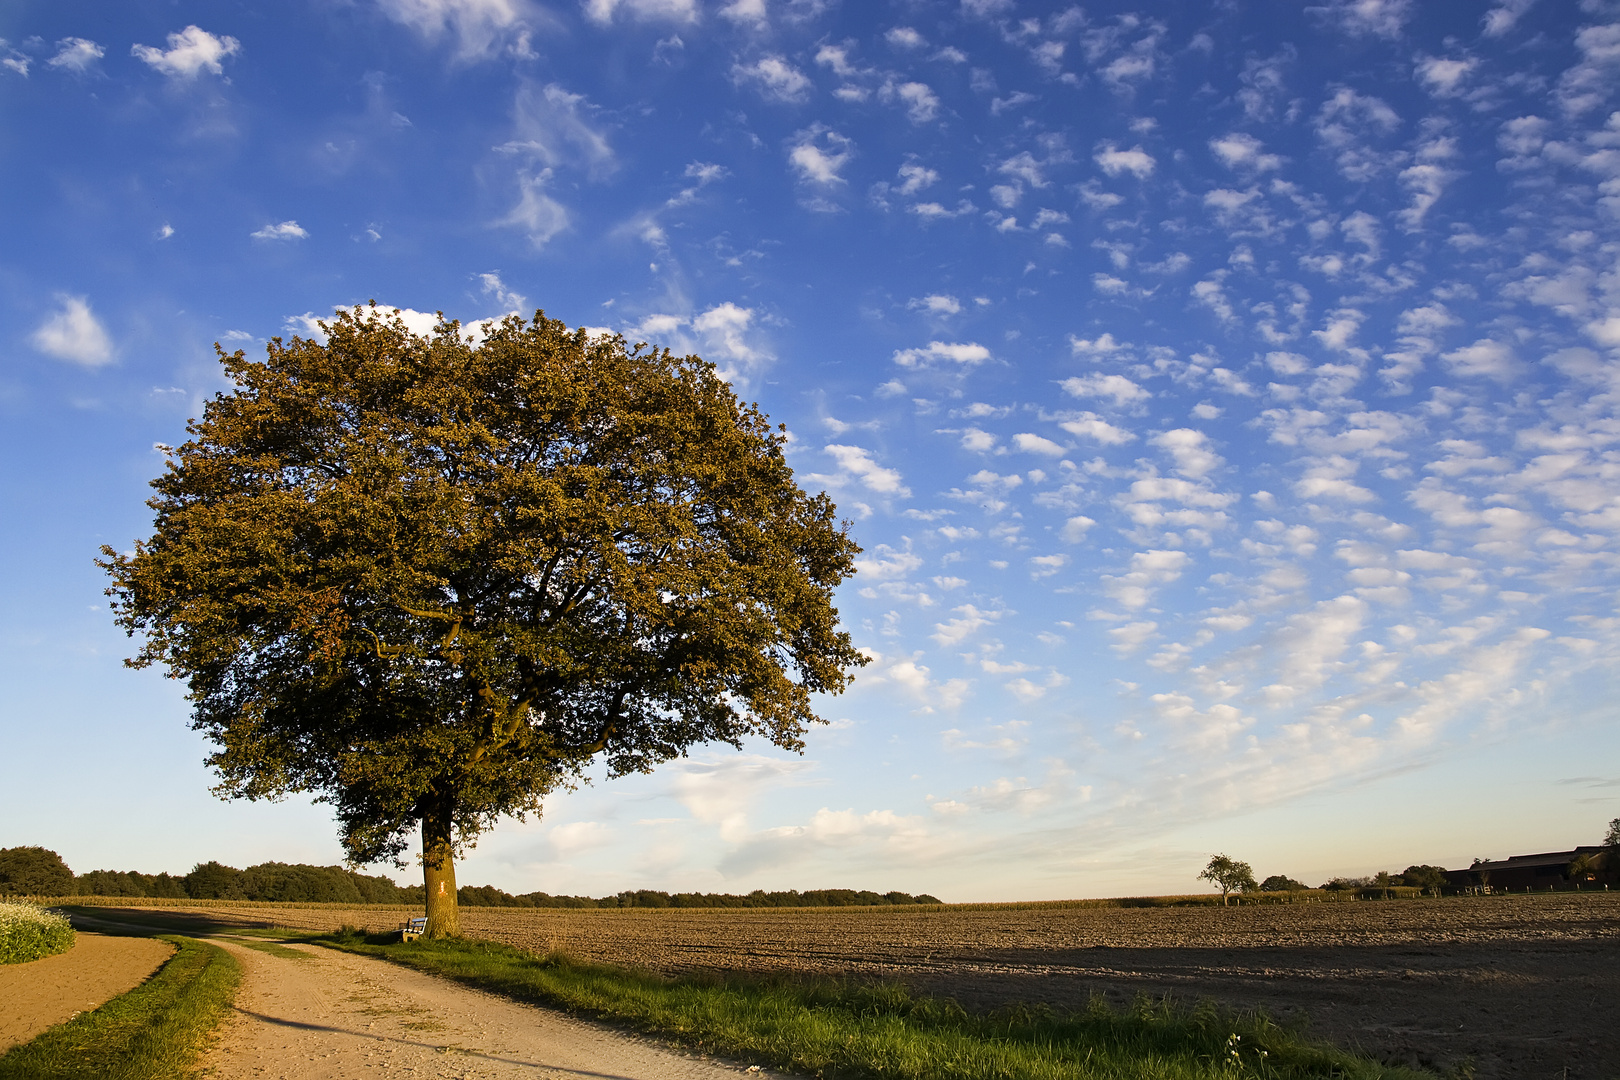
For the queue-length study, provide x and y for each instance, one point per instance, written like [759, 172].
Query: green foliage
[29, 932]
[1281, 883]
[130, 883]
[431, 581]
[1228, 874]
[827, 1028]
[215, 881]
[34, 871]
[157, 1031]
[291, 882]
[1430, 879]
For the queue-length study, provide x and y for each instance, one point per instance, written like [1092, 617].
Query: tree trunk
[439, 871]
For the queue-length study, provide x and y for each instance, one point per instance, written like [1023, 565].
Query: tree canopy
[34, 871]
[1281, 883]
[1228, 874]
[430, 579]
[1430, 879]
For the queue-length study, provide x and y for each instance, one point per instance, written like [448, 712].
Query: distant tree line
[652, 898]
[37, 871]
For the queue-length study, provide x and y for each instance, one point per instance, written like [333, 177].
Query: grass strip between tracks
[849, 1029]
[156, 1031]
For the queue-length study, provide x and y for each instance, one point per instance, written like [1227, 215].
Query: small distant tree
[1611, 839]
[34, 871]
[1228, 874]
[1581, 868]
[1382, 881]
[1481, 875]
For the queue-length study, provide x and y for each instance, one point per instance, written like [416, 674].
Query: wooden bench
[411, 930]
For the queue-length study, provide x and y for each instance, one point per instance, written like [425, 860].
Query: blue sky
[1224, 395]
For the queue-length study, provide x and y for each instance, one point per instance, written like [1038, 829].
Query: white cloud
[1312, 644]
[1485, 358]
[481, 28]
[1046, 565]
[74, 334]
[818, 155]
[1351, 123]
[191, 52]
[1023, 166]
[1190, 450]
[1132, 636]
[539, 215]
[1212, 295]
[1120, 389]
[1091, 426]
[969, 620]
[1442, 75]
[936, 304]
[1149, 570]
[1241, 151]
[775, 78]
[1425, 182]
[76, 54]
[914, 178]
[1358, 18]
[855, 463]
[745, 11]
[885, 563]
[1502, 18]
[1074, 530]
[286, 230]
[1136, 161]
[1103, 345]
[837, 58]
[724, 329]
[551, 126]
[496, 289]
[604, 11]
[913, 678]
[966, 354]
[720, 791]
[1037, 444]
[904, 37]
[922, 104]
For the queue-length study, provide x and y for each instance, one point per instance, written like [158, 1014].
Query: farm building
[1548, 869]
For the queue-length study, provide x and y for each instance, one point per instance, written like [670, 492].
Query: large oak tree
[430, 579]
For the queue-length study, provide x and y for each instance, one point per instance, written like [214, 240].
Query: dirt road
[324, 1015]
[43, 993]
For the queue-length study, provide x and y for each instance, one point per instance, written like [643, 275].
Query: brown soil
[1515, 986]
[43, 993]
[332, 1016]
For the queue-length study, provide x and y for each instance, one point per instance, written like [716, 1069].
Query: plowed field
[1516, 986]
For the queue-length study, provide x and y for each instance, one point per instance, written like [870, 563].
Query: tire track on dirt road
[326, 1015]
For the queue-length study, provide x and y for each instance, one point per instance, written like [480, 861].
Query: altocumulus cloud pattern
[1225, 399]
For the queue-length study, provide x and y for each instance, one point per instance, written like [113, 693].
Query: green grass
[157, 1031]
[839, 1029]
[29, 932]
[270, 948]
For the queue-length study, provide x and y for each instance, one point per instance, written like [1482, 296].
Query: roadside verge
[156, 1031]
